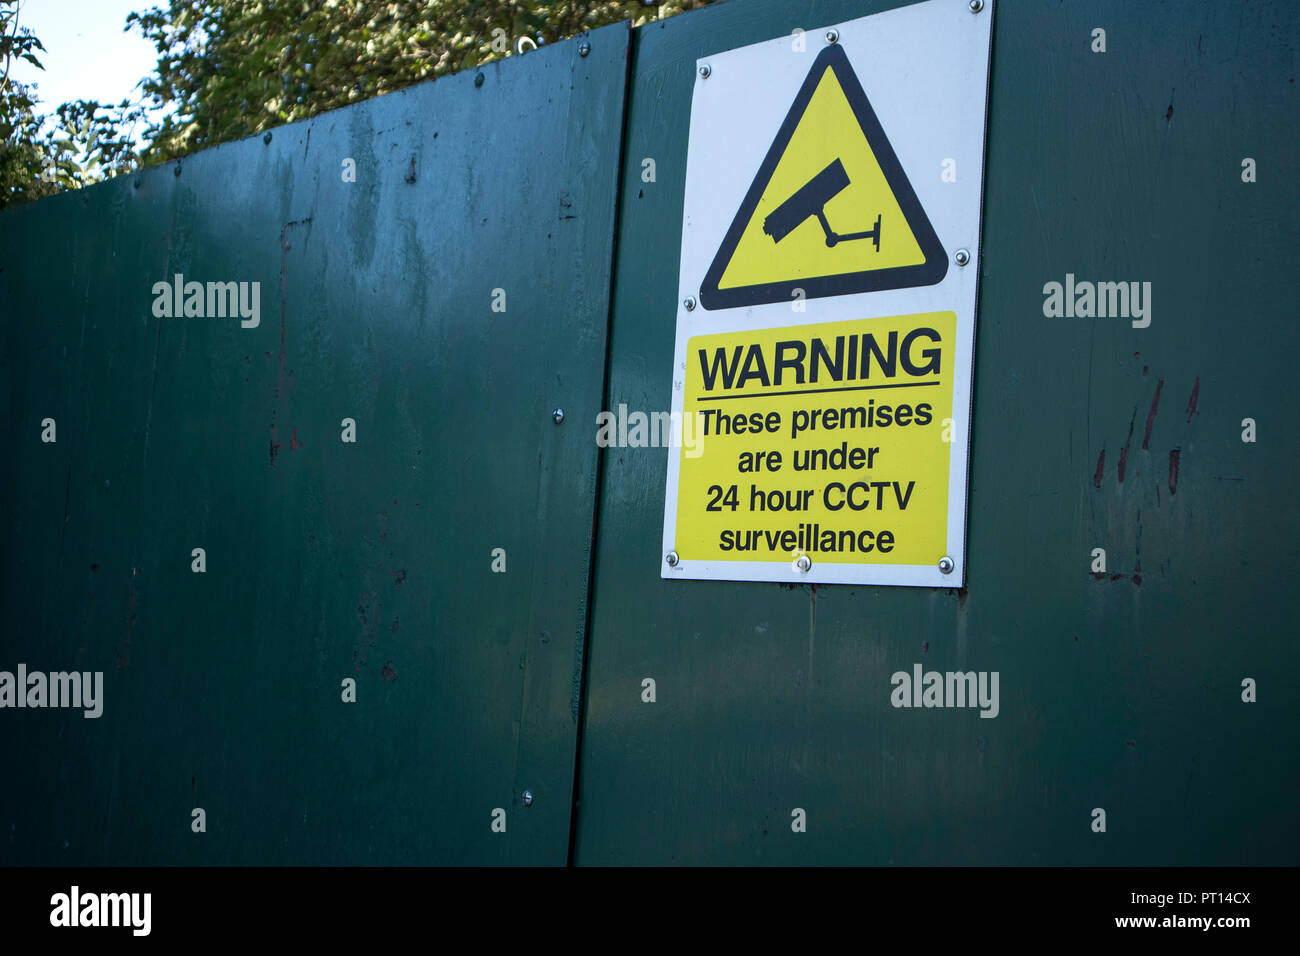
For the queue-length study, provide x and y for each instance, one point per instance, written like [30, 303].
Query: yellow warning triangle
[831, 211]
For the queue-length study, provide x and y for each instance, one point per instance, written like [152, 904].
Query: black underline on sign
[815, 391]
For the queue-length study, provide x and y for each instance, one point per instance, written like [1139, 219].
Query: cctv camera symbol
[811, 200]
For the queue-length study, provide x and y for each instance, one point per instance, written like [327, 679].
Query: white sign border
[943, 115]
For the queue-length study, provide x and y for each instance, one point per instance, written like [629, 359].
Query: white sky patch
[88, 55]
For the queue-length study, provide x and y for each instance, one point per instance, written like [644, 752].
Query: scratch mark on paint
[1173, 470]
[1151, 415]
[1191, 401]
[1101, 464]
[1123, 454]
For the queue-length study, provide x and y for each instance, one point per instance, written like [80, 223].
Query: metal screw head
[832, 36]
[528, 798]
[688, 303]
[584, 48]
[478, 79]
[177, 170]
[672, 559]
[705, 70]
[976, 6]
[557, 416]
[267, 139]
[137, 182]
[945, 564]
[962, 257]
[803, 563]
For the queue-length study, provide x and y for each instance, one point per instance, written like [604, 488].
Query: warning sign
[831, 163]
[826, 321]
[825, 441]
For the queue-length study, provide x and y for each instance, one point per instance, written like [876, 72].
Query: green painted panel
[325, 559]
[1120, 691]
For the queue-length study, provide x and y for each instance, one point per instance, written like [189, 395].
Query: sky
[87, 55]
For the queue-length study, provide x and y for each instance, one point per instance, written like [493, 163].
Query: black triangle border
[931, 271]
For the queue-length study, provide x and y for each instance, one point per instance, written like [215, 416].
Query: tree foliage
[22, 158]
[231, 68]
[85, 143]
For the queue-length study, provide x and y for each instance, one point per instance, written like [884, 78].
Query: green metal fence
[393, 479]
